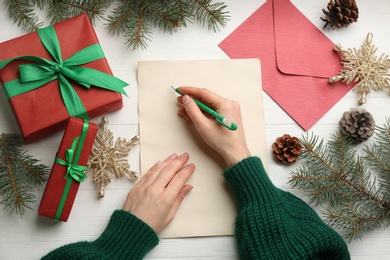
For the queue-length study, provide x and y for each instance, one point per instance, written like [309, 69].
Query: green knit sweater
[270, 224]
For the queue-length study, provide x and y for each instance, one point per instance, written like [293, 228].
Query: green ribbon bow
[77, 172]
[74, 171]
[43, 71]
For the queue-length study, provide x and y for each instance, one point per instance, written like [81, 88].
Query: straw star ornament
[107, 159]
[365, 68]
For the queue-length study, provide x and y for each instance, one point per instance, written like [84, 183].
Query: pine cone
[357, 123]
[287, 149]
[340, 13]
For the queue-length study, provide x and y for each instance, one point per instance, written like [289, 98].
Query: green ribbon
[74, 171]
[43, 71]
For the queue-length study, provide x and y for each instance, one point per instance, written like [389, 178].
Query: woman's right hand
[230, 144]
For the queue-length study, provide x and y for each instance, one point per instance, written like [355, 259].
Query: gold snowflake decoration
[364, 68]
[107, 159]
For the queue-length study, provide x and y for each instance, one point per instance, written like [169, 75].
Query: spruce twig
[133, 19]
[60, 10]
[210, 14]
[136, 19]
[354, 189]
[19, 175]
[22, 13]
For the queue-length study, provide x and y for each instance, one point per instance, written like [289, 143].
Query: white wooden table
[32, 236]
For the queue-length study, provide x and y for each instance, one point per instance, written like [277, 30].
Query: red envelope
[297, 60]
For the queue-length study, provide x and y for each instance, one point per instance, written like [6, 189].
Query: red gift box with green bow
[55, 73]
[68, 170]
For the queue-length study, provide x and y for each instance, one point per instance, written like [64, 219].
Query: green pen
[219, 118]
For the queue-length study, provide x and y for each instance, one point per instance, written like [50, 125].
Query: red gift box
[68, 169]
[41, 112]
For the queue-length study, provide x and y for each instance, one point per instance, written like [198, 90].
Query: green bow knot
[77, 172]
[43, 71]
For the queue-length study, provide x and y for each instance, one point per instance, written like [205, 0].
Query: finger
[155, 170]
[170, 170]
[204, 95]
[179, 180]
[193, 112]
[179, 100]
[182, 112]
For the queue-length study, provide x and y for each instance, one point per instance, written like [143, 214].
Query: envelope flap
[301, 48]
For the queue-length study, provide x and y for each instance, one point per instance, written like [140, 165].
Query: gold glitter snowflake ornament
[106, 160]
[364, 68]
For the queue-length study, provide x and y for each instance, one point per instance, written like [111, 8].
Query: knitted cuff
[250, 182]
[126, 236]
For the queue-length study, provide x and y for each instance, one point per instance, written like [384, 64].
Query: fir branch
[56, 12]
[356, 220]
[19, 175]
[378, 158]
[60, 10]
[40, 3]
[133, 19]
[22, 13]
[136, 19]
[164, 15]
[119, 17]
[140, 34]
[337, 176]
[210, 14]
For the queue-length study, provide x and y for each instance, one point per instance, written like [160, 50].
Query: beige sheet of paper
[209, 209]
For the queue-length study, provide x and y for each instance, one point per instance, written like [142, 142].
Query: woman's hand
[157, 196]
[230, 144]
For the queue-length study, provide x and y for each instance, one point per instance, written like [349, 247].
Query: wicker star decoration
[107, 159]
[364, 68]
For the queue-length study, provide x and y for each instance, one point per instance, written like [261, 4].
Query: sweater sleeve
[125, 237]
[274, 224]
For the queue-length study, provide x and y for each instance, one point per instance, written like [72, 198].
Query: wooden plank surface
[31, 236]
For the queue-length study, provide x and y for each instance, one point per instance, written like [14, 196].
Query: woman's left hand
[157, 196]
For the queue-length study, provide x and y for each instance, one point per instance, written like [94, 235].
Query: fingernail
[187, 188]
[157, 164]
[173, 156]
[190, 187]
[184, 155]
[186, 99]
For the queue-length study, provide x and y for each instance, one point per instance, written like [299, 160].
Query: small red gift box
[42, 110]
[68, 169]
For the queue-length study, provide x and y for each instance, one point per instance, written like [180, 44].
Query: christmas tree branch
[212, 14]
[19, 175]
[165, 16]
[133, 19]
[138, 38]
[339, 177]
[7, 162]
[118, 18]
[23, 14]
[55, 13]
[60, 10]
[14, 188]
